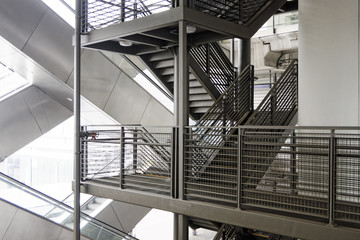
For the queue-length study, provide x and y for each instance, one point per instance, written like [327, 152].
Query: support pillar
[244, 54]
[77, 150]
[181, 119]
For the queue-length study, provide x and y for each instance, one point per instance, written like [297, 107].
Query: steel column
[181, 114]
[77, 150]
[244, 54]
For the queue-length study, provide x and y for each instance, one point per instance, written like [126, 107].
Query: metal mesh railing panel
[99, 14]
[218, 181]
[148, 153]
[129, 157]
[233, 10]
[285, 171]
[347, 178]
[101, 154]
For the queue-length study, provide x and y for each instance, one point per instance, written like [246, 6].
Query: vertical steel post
[252, 96]
[135, 150]
[173, 167]
[244, 54]
[207, 46]
[122, 11]
[332, 162]
[83, 156]
[273, 102]
[122, 156]
[77, 152]
[181, 115]
[293, 175]
[239, 175]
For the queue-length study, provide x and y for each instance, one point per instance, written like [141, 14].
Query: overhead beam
[162, 34]
[137, 38]
[144, 24]
[112, 46]
[214, 24]
[258, 20]
[283, 225]
[207, 37]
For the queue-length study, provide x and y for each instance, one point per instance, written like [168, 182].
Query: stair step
[164, 64]
[167, 71]
[200, 110]
[197, 90]
[199, 97]
[160, 56]
[201, 103]
[170, 78]
[193, 83]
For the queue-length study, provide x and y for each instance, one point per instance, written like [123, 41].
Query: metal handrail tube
[62, 205]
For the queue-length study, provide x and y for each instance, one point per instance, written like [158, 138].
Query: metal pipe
[77, 153]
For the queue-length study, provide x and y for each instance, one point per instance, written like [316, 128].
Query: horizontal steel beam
[154, 24]
[272, 223]
[215, 24]
[145, 24]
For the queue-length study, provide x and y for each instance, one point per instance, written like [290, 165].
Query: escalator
[40, 205]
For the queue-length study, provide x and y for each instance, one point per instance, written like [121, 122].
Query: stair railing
[214, 62]
[99, 14]
[228, 111]
[280, 103]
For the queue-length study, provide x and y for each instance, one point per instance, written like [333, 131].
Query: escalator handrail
[47, 198]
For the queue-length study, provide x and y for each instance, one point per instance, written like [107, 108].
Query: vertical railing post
[122, 156]
[293, 160]
[173, 173]
[83, 155]
[122, 10]
[135, 149]
[332, 162]
[239, 162]
[240, 2]
[252, 79]
[207, 50]
[135, 10]
[84, 16]
[224, 107]
[273, 102]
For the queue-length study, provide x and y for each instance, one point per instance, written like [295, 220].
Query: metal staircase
[210, 74]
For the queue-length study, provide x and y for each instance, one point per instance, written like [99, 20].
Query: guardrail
[308, 172]
[131, 157]
[97, 14]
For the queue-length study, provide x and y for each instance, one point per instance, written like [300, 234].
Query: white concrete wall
[329, 62]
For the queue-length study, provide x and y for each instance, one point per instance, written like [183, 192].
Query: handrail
[213, 62]
[69, 209]
[228, 111]
[282, 98]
